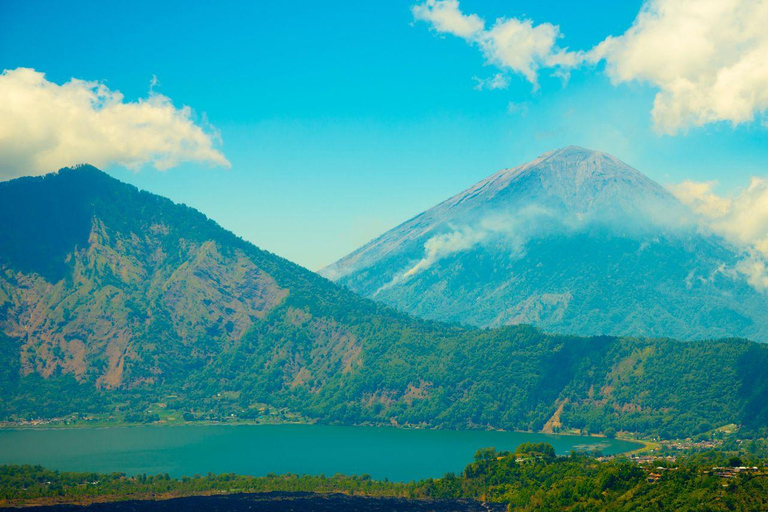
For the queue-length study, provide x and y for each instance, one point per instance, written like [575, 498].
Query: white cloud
[517, 108]
[445, 16]
[522, 47]
[441, 246]
[511, 229]
[741, 219]
[700, 196]
[510, 44]
[438, 247]
[497, 81]
[45, 126]
[756, 272]
[706, 57]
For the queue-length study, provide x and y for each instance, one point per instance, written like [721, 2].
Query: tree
[486, 454]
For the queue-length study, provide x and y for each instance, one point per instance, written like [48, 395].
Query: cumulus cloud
[45, 126]
[742, 219]
[522, 47]
[700, 196]
[446, 17]
[755, 270]
[511, 44]
[706, 57]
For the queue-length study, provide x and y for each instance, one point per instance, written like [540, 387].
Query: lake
[397, 454]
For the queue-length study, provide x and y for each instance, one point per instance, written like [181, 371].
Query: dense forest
[531, 478]
[118, 303]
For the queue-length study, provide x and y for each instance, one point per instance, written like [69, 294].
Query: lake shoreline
[397, 454]
[119, 424]
[643, 445]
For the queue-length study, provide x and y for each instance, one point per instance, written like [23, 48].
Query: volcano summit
[575, 242]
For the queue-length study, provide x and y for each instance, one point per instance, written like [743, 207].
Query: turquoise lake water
[397, 454]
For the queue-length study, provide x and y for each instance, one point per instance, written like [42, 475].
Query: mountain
[575, 242]
[118, 302]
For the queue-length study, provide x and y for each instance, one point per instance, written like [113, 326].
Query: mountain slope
[575, 242]
[117, 301]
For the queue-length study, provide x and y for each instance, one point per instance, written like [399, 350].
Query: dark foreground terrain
[282, 501]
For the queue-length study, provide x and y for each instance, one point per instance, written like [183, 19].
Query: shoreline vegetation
[530, 478]
[66, 424]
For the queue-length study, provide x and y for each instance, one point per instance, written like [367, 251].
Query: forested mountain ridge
[575, 242]
[113, 299]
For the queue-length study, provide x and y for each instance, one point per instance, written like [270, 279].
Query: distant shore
[61, 425]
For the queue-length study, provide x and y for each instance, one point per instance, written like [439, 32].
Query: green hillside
[114, 300]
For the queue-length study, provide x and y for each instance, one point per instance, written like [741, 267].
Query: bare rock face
[575, 242]
[128, 292]
[90, 323]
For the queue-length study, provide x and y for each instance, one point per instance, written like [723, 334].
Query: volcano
[574, 242]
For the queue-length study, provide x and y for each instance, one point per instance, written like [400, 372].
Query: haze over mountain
[117, 301]
[574, 242]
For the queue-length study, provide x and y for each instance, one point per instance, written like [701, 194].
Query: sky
[310, 129]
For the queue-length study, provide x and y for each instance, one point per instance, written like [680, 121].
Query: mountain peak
[574, 241]
[577, 179]
[81, 168]
[570, 150]
[567, 183]
[573, 152]
[583, 162]
[80, 171]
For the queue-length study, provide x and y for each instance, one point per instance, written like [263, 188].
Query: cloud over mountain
[44, 126]
[742, 219]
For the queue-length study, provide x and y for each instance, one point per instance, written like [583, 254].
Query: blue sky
[343, 119]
